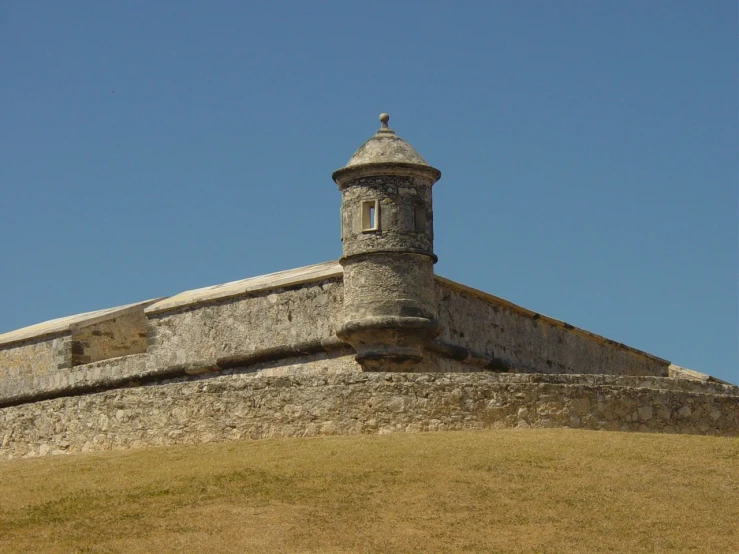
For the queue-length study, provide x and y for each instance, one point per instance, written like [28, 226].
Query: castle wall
[530, 342]
[191, 336]
[40, 358]
[211, 330]
[34, 357]
[186, 340]
[122, 335]
[253, 321]
[340, 361]
[103, 374]
[134, 369]
[243, 406]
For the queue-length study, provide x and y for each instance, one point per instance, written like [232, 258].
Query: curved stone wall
[241, 406]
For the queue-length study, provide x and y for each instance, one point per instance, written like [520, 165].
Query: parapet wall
[122, 335]
[34, 357]
[285, 314]
[246, 324]
[26, 361]
[531, 342]
[267, 317]
[245, 406]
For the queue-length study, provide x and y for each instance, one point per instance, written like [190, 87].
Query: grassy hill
[492, 491]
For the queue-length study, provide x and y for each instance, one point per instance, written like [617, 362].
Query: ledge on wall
[67, 324]
[677, 372]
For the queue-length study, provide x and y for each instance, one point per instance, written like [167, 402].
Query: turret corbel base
[389, 343]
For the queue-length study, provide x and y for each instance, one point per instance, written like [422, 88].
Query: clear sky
[588, 151]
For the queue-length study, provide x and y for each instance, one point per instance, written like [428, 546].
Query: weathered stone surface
[295, 277]
[532, 343]
[405, 210]
[35, 357]
[249, 324]
[262, 357]
[121, 335]
[385, 283]
[41, 350]
[111, 373]
[385, 146]
[63, 324]
[683, 373]
[387, 253]
[242, 407]
[210, 330]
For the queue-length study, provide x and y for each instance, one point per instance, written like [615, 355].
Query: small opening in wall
[419, 218]
[370, 215]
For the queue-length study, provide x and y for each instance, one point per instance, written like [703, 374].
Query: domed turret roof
[385, 147]
[385, 153]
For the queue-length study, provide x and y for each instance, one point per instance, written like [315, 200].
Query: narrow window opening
[370, 215]
[419, 218]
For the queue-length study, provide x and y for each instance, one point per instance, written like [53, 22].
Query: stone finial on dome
[384, 118]
[386, 149]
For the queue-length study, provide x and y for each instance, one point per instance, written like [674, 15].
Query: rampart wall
[44, 357]
[246, 324]
[259, 358]
[243, 406]
[531, 342]
[220, 327]
[23, 362]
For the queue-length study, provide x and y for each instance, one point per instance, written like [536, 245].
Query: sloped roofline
[64, 325]
[291, 277]
[543, 318]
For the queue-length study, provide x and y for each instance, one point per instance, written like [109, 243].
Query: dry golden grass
[493, 491]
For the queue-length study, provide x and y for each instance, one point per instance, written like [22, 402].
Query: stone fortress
[373, 343]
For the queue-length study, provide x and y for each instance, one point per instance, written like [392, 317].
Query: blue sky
[588, 151]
